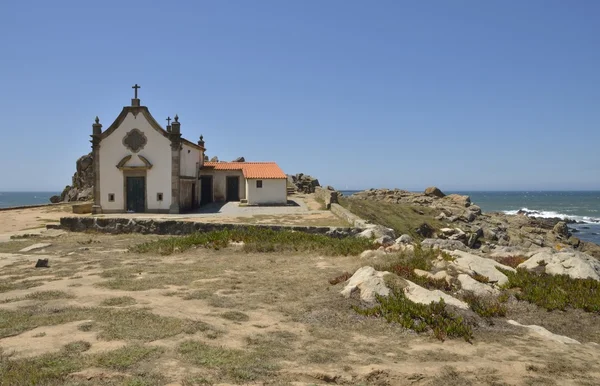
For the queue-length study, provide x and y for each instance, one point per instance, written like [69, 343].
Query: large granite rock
[434, 191]
[418, 294]
[444, 244]
[577, 265]
[482, 266]
[467, 283]
[303, 182]
[82, 187]
[368, 282]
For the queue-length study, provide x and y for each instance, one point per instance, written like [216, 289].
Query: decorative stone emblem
[135, 140]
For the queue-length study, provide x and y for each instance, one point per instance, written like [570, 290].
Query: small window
[111, 197]
[259, 183]
[159, 196]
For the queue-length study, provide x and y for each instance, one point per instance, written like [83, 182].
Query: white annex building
[141, 167]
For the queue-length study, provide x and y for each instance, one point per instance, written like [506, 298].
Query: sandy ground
[308, 212]
[278, 305]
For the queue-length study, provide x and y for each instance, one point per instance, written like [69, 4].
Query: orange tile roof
[259, 170]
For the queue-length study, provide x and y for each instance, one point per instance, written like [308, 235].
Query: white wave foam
[553, 214]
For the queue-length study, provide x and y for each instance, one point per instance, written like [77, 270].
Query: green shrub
[259, 240]
[420, 317]
[555, 292]
[486, 307]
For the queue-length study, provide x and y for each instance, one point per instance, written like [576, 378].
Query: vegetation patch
[126, 357]
[258, 240]
[404, 265]
[142, 325]
[419, 317]
[486, 307]
[511, 261]
[235, 316]
[119, 301]
[235, 365]
[555, 292]
[401, 217]
[197, 295]
[21, 285]
[54, 368]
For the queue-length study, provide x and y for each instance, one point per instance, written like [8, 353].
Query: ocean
[583, 207]
[9, 199]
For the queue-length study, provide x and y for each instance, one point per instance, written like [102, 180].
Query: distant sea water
[583, 207]
[9, 199]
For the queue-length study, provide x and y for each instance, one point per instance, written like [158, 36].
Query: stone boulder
[467, 283]
[474, 238]
[458, 199]
[421, 295]
[434, 191]
[482, 266]
[404, 239]
[444, 244]
[303, 182]
[368, 282]
[577, 265]
[239, 159]
[376, 231]
[425, 230]
[384, 240]
[545, 333]
[214, 159]
[561, 229]
[55, 199]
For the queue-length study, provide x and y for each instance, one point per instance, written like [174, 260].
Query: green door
[233, 188]
[136, 194]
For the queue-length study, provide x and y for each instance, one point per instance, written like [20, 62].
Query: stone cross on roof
[136, 89]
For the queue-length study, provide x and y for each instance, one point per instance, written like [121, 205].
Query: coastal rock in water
[482, 266]
[577, 265]
[443, 244]
[434, 191]
[369, 282]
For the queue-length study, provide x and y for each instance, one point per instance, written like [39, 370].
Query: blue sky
[465, 95]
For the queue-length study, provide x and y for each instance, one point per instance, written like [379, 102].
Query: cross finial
[201, 137]
[97, 120]
[136, 90]
[176, 118]
[168, 121]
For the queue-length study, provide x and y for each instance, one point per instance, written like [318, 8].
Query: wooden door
[233, 188]
[136, 194]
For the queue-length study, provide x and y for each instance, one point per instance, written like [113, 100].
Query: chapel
[142, 167]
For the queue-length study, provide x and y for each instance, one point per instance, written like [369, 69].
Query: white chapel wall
[157, 151]
[273, 191]
[220, 182]
[190, 159]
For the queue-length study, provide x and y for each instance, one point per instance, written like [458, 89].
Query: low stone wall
[348, 216]
[172, 227]
[327, 196]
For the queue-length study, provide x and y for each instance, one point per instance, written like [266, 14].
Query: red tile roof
[258, 170]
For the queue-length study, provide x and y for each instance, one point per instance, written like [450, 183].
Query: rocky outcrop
[368, 282]
[82, 187]
[214, 159]
[539, 330]
[444, 244]
[467, 283]
[421, 295]
[434, 191]
[303, 182]
[481, 266]
[577, 265]
[239, 159]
